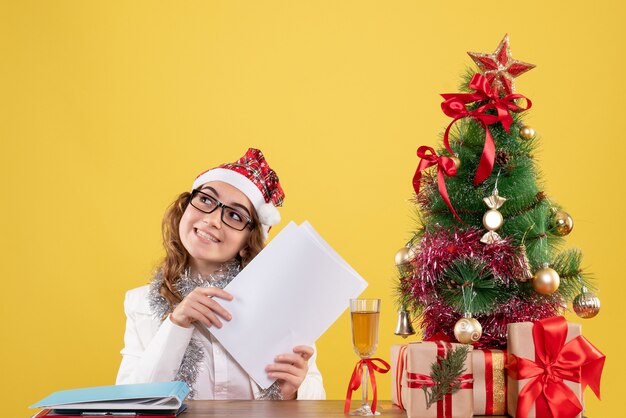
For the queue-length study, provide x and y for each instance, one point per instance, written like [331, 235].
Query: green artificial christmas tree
[487, 251]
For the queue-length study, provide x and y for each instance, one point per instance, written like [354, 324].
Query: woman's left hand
[290, 370]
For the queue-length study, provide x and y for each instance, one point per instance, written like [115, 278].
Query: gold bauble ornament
[546, 281]
[402, 258]
[562, 223]
[527, 133]
[586, 304]
[468, 330]
[492, 220]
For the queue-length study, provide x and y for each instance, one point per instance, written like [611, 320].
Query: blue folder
[161, 396]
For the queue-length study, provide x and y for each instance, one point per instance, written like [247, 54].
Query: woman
[209, 235]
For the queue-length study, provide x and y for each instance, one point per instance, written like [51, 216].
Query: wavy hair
[176, 258]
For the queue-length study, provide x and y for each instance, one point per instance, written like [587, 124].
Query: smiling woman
[209, 235]
[213, 237]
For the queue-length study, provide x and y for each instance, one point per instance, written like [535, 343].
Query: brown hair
[176, 258]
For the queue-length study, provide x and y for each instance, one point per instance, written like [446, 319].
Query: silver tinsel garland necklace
[194, 354]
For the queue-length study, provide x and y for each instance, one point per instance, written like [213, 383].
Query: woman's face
[207, 239]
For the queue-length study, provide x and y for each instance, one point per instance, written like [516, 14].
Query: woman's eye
[236, 216]
[206, 200]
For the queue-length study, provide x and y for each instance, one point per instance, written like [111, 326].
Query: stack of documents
[161, 400]
[288, 295]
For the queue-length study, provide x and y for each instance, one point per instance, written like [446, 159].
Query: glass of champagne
[364, 314]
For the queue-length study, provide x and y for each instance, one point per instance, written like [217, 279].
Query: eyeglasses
[230, 216]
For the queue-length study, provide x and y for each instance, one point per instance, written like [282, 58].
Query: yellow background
[110, 109]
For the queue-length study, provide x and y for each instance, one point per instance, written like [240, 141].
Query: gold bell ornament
[404, 327]
[492, 219]
[586, 304]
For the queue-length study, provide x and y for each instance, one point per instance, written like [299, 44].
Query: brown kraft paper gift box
[489, 369]
[398, 375]
[520, 343]
[420, 357]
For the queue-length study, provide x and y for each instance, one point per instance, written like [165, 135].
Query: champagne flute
[364, 314]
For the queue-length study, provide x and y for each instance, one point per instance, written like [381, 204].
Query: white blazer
[153, 349]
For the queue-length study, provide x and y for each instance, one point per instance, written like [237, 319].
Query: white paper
[289, 295]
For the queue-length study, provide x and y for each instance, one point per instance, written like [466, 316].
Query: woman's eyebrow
[230, 204]
[211, 189]
[242, 207]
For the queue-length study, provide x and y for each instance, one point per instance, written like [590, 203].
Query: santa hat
[253, 176]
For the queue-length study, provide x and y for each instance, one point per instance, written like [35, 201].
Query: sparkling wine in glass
[364, 314]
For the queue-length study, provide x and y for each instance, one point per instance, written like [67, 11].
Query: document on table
[159, 396]
[289, 295]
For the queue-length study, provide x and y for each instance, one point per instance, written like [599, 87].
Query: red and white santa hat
[253, 176]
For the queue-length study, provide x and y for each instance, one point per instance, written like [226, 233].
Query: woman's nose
[214, 218]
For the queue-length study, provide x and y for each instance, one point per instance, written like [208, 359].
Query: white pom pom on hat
[253, 176]
[268, 214]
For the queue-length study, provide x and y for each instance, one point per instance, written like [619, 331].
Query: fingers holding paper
[201, 305]
[290, 369]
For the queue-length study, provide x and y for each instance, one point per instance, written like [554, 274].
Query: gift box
[398, 374]
[549, 366]
[490, 386]
[420, 357]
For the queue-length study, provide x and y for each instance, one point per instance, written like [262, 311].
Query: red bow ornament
[455, 106]
[445, 165]
[577, 361]
[357, 377]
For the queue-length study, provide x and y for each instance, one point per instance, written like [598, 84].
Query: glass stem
[364, 382]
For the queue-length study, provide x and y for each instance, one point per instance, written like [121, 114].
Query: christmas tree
[487, 250]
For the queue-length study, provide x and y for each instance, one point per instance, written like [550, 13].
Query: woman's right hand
[201, 306]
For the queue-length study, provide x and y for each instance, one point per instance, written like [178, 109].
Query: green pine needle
[468, 286]
[445, 374]
[567, 265]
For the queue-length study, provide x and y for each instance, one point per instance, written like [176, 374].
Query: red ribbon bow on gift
[445, 165]
[444, 406]
[455, 107]
[577, 361]
[357, 376]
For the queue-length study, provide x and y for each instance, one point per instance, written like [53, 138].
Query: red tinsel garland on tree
[437, 249]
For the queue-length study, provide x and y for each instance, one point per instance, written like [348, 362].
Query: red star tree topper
[500, 68]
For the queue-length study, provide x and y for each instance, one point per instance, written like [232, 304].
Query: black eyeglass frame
[194, 193]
